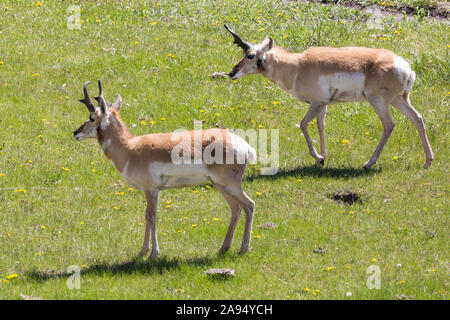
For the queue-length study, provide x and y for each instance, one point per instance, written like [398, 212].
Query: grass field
[62, 203]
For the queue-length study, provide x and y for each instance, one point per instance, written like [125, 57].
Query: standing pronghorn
[322, 76]
[152, 163]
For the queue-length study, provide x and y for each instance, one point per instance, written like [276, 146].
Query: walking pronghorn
[321, 76]
[155, 162]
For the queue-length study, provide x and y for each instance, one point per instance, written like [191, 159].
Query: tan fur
[323, 75]
[146, 163]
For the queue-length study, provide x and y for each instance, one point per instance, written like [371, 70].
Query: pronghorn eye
[91, 119]
[250, 56]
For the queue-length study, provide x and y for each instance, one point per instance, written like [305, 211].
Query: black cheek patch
[259, 65]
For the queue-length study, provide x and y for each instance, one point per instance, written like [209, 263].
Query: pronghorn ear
[117, 103]
[267, 44]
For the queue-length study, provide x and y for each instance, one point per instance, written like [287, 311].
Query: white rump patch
[342, 86]
[404, 73]
[243, 152]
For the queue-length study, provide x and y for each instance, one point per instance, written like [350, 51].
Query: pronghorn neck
[275, 64]
[114, 138]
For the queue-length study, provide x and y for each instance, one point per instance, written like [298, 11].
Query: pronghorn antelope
[151, 163]
[321, 76]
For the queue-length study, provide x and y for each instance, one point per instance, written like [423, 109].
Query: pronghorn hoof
[222, 250]
[243, 250]
[428, 163]
[322, 162]
[143, 252]
[153, 255]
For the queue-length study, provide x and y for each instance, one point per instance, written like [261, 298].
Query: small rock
[220, 273]
[219, 75]
[268, 225]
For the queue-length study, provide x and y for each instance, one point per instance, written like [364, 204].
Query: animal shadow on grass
[139, 265]
[316, 171]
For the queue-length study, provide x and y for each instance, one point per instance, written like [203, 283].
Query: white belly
[342, 86]
[169, 175]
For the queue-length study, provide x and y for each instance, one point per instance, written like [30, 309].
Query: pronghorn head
[99, 117]
[254, 56]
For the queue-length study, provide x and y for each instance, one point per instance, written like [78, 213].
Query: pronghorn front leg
[150, 223]
[315, 108]
[321, 128]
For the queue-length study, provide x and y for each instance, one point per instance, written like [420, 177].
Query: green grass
[420, 7]
[78, 211]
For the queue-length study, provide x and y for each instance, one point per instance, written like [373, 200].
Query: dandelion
[217, 114]
[38, 4]
[258, 193]
[261, 29]
[216, 219]
[12, 276]
[20, 190]
[2, 174]
[154, 23]
[43, 227]
[163, 119]
[65, 169]
[35, 75]
[1, 63]
[395, 158]
[121, 193]
[276, 102]
[84, 266]
[344, 141]
[401, 282]
[180, 290]
[115, 208]
[194, 225]
[331, 268]
[81, 222]
[285, 36]
[374, 260]
[143, 122]
[130, 189]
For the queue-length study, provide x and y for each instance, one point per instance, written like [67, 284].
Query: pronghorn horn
[101, 100]
[87, 100]
[241, 43]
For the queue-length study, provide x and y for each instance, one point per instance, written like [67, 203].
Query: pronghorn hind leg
[150, 223]
[381, 107]
[249, 207]
[403, 104]
[315, 108]
[235, 214]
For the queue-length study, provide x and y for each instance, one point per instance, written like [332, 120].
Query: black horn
[101, 100]
[241, 43]
[87, 100]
